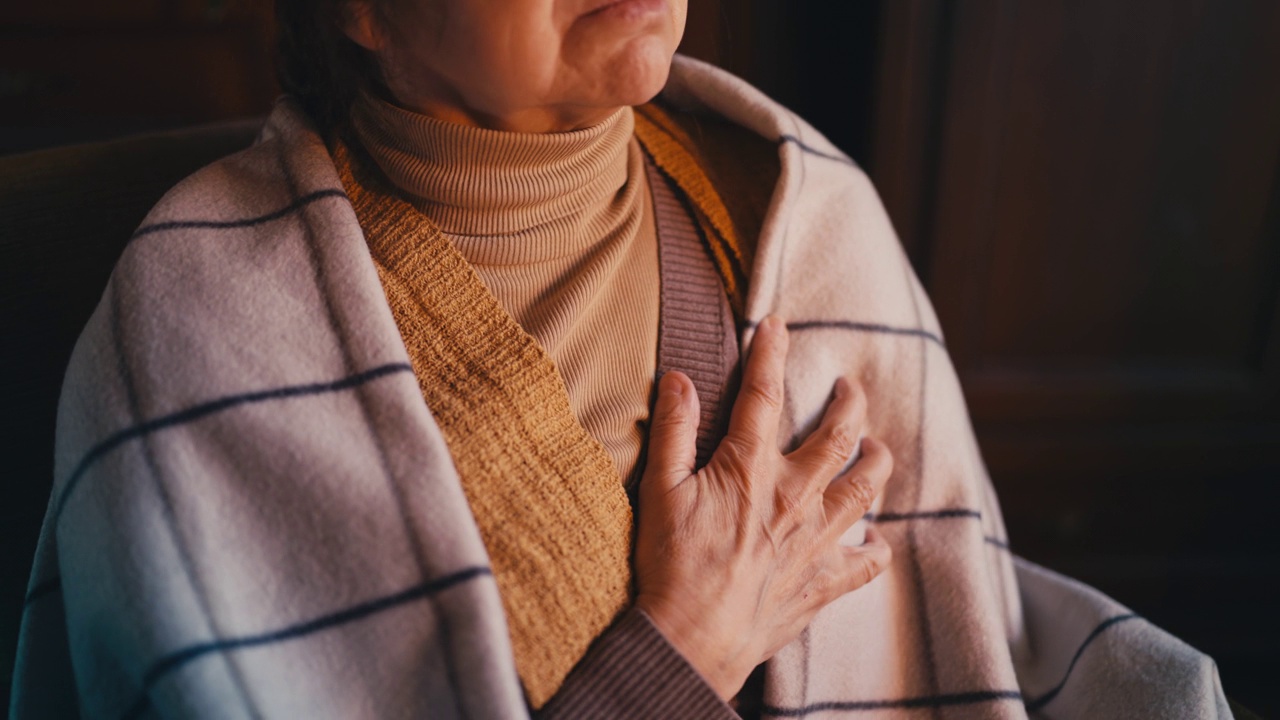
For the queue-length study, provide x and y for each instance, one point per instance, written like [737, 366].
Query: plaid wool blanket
[254, 514]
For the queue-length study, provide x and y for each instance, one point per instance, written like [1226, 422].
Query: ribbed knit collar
[478, 183]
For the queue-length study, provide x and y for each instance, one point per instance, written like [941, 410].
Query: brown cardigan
[561, 587]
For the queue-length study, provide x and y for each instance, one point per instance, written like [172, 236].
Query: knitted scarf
[547, 499]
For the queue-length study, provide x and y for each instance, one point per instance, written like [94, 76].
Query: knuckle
[825, 586]
[783, 510]
[839, 443]
[765, 391]
[667, 421]
[867, 571]
[863, 570]
[872, 563]
[858, 495]
[738, 458]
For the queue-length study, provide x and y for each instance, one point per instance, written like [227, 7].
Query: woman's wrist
[688, 637]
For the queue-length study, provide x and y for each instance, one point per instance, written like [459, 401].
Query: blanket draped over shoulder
[255, 514]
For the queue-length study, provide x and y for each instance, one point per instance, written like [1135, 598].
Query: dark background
[1090, 190]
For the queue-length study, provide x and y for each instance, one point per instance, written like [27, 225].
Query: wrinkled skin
[735, 559]
[732, 560]
[520, 65]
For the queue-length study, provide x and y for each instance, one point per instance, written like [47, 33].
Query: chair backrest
[65, 217]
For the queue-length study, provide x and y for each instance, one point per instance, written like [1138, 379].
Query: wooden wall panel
[75, 70]
[1091, 192]
[1108, 205]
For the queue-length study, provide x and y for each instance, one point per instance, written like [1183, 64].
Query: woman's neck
[476, 182]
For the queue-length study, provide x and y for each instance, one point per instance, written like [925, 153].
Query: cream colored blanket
[254, 515]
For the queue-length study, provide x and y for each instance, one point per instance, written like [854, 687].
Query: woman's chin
[639, 73]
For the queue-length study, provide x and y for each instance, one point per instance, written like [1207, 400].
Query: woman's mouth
[625, 9]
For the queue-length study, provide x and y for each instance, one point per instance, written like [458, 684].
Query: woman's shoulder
[285, 168]
[754, 147]
[240, 213]
[696, 88]
[235, 267]
[741, 129]
[822, 231]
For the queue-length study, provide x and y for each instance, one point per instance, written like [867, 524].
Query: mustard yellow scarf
[554, 517]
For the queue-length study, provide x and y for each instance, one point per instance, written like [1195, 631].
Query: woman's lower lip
[627, 9]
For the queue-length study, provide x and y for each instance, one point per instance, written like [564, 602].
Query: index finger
[754, 421]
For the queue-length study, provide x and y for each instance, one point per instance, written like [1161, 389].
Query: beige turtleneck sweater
[560, 229]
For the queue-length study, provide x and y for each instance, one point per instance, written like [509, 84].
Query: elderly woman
[361, 422]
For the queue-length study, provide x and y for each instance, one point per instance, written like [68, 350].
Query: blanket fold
[547, 499]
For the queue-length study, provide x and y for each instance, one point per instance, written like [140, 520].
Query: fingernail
[842, 387]
[670, 386]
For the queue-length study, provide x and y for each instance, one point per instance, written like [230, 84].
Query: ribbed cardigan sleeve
[632, 673]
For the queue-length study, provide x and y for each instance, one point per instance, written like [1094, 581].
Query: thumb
[673, 431]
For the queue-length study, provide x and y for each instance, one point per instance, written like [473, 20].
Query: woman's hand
[733, 561]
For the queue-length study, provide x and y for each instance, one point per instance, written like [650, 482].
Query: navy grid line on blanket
[922, 701]
[322, 277]
[914, 555]
[54, 585]
[952, 699]
[182, 553]
[224, 403]
[925, 336]
[285, 211]
[944, 514]
[1040, 702]
[175, 660]
[816, 152]
[866, 327]
[196, 412]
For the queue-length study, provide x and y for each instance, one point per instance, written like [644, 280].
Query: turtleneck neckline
[560, 229]
[475, 183]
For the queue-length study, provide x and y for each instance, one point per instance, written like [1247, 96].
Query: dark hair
[318, 64]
